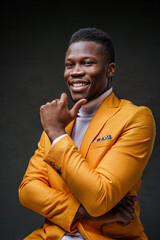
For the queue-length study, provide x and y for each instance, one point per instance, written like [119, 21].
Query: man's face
[86, 70]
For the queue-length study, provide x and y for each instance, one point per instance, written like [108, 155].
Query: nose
[77, 71]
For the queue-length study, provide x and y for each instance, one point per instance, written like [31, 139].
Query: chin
[77, 97]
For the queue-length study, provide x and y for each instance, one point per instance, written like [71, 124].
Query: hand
[55, 116]
[122, 213]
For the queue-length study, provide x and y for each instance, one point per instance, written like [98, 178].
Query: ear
[111, 69]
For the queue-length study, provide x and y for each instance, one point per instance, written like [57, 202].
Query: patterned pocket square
[103, 138]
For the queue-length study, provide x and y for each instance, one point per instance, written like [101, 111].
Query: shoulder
[125, 105]
[136, 114]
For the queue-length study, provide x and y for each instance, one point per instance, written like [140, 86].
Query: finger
[124, 221]
[128, 201]
[127, 211]
[76, 107]
[134, 198]
[127, 207]
[64, 98]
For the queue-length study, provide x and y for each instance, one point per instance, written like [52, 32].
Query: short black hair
[98, 36]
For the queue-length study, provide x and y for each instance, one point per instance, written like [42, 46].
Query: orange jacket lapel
[107, 109]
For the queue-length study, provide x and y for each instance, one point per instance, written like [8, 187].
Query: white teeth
[79, 84]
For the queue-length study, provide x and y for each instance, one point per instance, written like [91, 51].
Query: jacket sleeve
[102, 188]
[36, 193]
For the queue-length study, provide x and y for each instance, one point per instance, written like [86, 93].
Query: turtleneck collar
[91, 107]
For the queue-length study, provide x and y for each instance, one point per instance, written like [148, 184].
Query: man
[86, 173]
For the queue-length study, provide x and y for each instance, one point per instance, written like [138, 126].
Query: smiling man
[88, 70]
[86, 173]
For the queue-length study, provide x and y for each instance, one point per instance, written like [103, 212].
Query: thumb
[64, 98]
[76, 107]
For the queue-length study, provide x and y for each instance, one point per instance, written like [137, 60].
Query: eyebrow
[86, 57]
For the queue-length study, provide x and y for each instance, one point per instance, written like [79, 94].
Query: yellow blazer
[112, 157]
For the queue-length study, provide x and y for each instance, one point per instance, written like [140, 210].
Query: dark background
[33, 41]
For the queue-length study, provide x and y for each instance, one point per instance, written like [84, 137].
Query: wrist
[55, 133]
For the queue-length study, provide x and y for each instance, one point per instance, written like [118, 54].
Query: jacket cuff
[54, 156]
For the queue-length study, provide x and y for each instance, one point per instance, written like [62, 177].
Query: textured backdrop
[34, 36]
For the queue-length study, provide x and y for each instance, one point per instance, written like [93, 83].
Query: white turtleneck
[85, 115]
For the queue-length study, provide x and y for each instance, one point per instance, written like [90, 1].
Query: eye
[89, 62]
[69, 64]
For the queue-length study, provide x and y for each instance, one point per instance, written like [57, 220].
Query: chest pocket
[103, 143]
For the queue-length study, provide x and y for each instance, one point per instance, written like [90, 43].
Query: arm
[122, 213]
[117, 172]
[36, 193]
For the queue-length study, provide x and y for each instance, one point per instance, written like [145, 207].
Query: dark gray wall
[34, 37]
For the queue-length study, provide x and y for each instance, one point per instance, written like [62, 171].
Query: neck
[92, 106]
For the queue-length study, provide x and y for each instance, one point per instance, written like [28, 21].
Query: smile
[79, 84]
